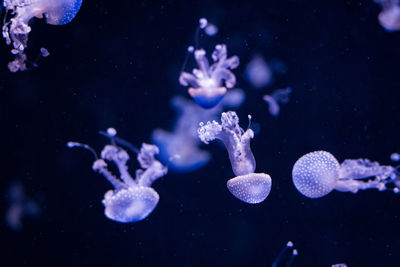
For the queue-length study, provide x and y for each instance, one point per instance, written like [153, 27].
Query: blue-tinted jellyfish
[389, 17]
[258, 72]
[317, 173]
[247, 186]
[131, 200]
[208, 84]
[280, 96]
[395, 157]
[179, 149]
[16, 27]
[289, 246]
[20, 206]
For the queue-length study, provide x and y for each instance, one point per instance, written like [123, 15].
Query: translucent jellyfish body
[180, 148]
[259, 73]
[131, 200]
[280, 96]
[20, 206]
[208, 84]
[247, 186]
[389, 17]
[16, 27]
[317, 173]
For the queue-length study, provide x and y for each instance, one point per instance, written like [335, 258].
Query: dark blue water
[117, 64]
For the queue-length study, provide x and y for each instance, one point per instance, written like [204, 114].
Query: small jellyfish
[247, 186]
[208, 84]
[20, 206]
[278, 96]
[389, 17]
[16, 27]
[179, 149]
[258, 72]
[339, 265]
[131, 200]
[395, 157]
[317, 173]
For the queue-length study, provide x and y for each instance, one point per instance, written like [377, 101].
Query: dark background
[117, 64]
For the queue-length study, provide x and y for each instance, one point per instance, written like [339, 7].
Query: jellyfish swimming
[278, 259]
[317, 173]
[209, 84]
[131, 200]
[389, 17]
[280, 96]
[20, 206]
[180, 149]
[258, 72]
[16, 18]
[247, 186]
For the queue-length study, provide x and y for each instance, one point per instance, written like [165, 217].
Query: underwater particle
[131, 200]
[280, 96]
[395, 157]
[258, 72]
[208, 84]
[247, 186]
[317, 173]
[389, 17]
[289, 245]
[20, 206]
[16, 17]
[179, 149]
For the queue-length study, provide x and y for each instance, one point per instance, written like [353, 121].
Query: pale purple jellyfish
[208, 84]
[317, 173]
[131, 200]
[247, 186]
[258, 72]
[389, 17]
[179, 149]
[280, 96]
[16, 27]
[20, 206]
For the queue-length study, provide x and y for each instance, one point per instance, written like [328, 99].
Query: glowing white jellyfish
[16, 27]
[389, 17]
[179, 149]
[247, 186]
[280, 96]
[131, 200]
[317, 173]
[20, 206]
[395, 157]
[208, 84]
[258, 72]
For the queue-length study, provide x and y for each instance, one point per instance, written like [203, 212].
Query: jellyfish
[208, 84]
[20, 206]
[131, 200]
[247, 186]
[277, 97]
[395, 157]
[258, 72]
[180, 149]
[16, 27]
[317, 173]
[389, 17]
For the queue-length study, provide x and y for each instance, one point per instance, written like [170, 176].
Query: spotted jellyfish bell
[389, 17]
[16, 29]
[247, 186]
[131, 200]
[317, 173]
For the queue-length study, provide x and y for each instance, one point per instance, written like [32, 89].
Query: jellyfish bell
[315, 174]
[60, 12]
[207, 97]
[132, 204]
[251, 188]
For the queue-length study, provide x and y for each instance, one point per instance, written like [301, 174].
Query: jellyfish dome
[252, 188]
[315, 174]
